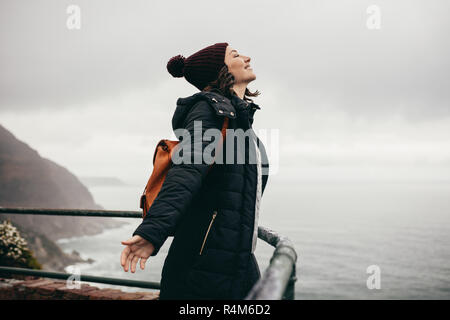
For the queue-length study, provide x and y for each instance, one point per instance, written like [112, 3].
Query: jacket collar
[219, 102]
[232, 108]
[249, 107]
[245, 110]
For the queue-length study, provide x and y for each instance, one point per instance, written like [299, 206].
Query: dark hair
[224, 84]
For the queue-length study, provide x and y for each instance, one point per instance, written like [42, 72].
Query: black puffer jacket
[211, 256]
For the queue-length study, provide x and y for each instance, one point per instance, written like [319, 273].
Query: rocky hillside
[29, 180]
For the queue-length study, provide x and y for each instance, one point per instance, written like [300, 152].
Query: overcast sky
[347, 101]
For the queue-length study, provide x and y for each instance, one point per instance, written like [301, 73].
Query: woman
[213, 215]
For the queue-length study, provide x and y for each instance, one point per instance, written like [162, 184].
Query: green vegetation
[14, 250]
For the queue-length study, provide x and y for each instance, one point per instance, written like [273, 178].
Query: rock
[30, 181]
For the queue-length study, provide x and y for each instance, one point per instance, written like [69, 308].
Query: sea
[354, 239]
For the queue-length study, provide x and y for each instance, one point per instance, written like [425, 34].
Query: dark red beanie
[200, 68]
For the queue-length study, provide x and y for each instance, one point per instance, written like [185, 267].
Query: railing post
[278, 281]
[289, 294]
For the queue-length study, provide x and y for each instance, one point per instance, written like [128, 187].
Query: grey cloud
[304, 46]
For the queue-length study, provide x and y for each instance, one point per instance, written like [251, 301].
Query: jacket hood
[223, 106]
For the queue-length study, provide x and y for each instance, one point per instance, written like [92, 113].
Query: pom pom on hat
[175, 66]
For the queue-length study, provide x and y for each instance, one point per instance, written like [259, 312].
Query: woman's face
[239, 66]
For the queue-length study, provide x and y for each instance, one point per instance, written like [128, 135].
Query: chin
[252, 77]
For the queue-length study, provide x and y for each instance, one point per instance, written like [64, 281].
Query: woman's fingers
[143, 261]
[131, 241]
[128, 262]
[124, 256]
[133, 263]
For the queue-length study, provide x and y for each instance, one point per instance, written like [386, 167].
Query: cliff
[29, 180]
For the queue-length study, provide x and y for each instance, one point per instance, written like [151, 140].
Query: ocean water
[339, 229]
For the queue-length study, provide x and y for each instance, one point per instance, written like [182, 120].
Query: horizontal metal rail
[73, 212]
[80, 277]
[277, 282]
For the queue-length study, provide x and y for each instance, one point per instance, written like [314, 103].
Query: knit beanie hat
[200, 68]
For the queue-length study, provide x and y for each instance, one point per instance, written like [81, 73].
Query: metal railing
[277, 282]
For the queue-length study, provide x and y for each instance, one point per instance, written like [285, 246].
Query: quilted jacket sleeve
[183, 181]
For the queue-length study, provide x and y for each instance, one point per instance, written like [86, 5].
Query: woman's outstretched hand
[136, 248]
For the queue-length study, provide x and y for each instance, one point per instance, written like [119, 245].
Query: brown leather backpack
[162, 161]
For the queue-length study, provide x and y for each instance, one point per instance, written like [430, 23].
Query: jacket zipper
[207, 232]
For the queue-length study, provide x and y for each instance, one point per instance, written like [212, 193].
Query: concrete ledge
[34, 288]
